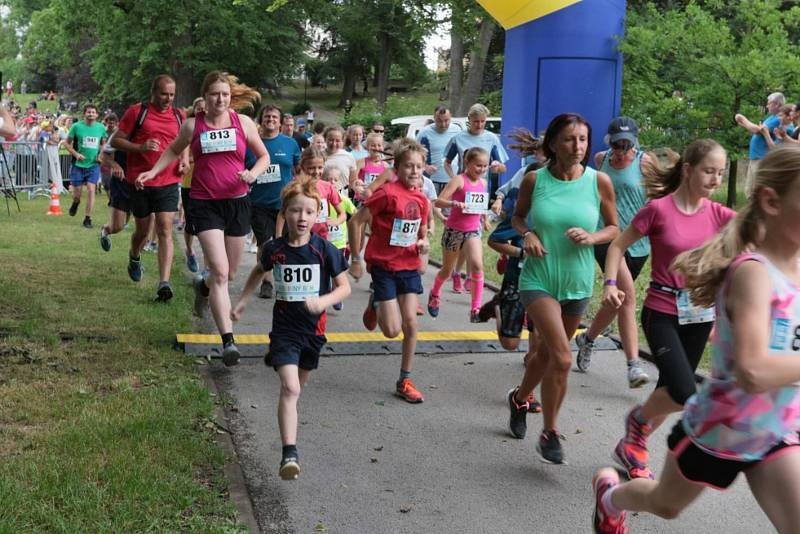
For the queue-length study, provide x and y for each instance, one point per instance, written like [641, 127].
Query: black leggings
[676, 350]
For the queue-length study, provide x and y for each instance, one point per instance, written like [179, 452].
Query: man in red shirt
[144, 138]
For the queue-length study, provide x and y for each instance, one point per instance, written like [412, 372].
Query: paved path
[372, 463]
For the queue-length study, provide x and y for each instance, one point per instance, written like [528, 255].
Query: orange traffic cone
[55, 205]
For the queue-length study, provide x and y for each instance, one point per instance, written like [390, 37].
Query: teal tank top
[567, 271]
[630, 193]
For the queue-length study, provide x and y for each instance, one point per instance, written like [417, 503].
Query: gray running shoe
[200, 296]
[585, 349]
[230, 355]
[517, 413]
[636, 375]
[266, 290]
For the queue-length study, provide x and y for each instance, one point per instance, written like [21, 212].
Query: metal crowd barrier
[29, 169]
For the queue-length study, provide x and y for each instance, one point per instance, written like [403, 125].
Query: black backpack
[120, 156]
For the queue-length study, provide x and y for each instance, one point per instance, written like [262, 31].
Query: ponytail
[242, 96]
[704, 268]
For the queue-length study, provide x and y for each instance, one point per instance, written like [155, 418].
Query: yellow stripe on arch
[511, 13]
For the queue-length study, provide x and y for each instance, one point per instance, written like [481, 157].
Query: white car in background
[411, 126]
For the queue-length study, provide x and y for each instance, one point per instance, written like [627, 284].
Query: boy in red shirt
[398, 216]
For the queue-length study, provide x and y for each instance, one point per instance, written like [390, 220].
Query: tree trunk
[456, 69]
[477, 64]
[384, 65]
[349, 84]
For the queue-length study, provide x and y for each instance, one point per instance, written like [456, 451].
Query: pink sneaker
[604, 522]
[458, 286]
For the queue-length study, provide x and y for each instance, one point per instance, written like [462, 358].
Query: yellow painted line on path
[346, 337]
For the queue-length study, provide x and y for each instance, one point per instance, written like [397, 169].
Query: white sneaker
[585, 349]
[636, 375]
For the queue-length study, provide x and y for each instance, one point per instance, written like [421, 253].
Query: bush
[300, 108]
[365, 111]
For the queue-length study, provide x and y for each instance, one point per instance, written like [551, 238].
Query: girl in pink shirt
[468, 199]
[679, 217]
[744, 418]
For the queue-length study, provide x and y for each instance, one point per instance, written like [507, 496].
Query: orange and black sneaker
[408, 392]
[370, 317]
[631, 451]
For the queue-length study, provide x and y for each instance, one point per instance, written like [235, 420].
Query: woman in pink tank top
[220, 210]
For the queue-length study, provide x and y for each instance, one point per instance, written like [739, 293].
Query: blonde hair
[326, 174]
[704, 267]
[404, 147]
[242, 96]
[477, 109]
[335, 128]
[375, 137]
[310, 153]
[190, 109]
[297, 187]
[661, 181]
[350, 129]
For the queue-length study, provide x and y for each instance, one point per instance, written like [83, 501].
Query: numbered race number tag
[92, 143]
[369, 177]
[213, 141]
[335, 233]
[295, 283]
[688, 313]
[404, 232]
[323, 213]
[783, 338]
[476, 203]
[271, 175]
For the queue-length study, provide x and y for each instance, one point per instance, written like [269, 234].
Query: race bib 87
[404, 232]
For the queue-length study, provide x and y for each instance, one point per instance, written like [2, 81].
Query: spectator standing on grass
[23, 87]
[758, 146]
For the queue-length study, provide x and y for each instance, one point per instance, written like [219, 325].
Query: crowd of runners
[348, 201]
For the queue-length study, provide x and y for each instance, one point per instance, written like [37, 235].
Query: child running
[398, 217]
[303, 264]
[312, 166]
[468, 199]
[744, 417]
[370, 167]
[337, 232]
[679, 217]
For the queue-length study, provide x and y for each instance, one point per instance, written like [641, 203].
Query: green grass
[107, 432]
[44, 106]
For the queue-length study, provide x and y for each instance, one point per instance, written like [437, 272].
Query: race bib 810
[296, 282]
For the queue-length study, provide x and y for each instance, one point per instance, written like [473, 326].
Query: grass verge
[110, 430]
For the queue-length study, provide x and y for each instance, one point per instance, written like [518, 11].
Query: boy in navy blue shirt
[303, 265]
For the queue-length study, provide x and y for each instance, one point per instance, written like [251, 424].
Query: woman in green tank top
[566, 199]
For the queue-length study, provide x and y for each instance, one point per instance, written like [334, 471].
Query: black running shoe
[87, 222]
[290, 468]
[516, 421]
[549, 447]
[135, 269]
[200, 295]
[164, 292]
[230, 355]
[74, 208]
[105, 240]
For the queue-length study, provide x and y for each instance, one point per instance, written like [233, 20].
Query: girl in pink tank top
[468, 200]
[220, 210]
[369, 168]
[218, 158]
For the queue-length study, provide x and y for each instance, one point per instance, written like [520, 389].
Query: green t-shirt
[87, 140]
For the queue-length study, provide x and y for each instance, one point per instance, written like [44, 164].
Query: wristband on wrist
[355, 258]
[610, 282]
[525, 234]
